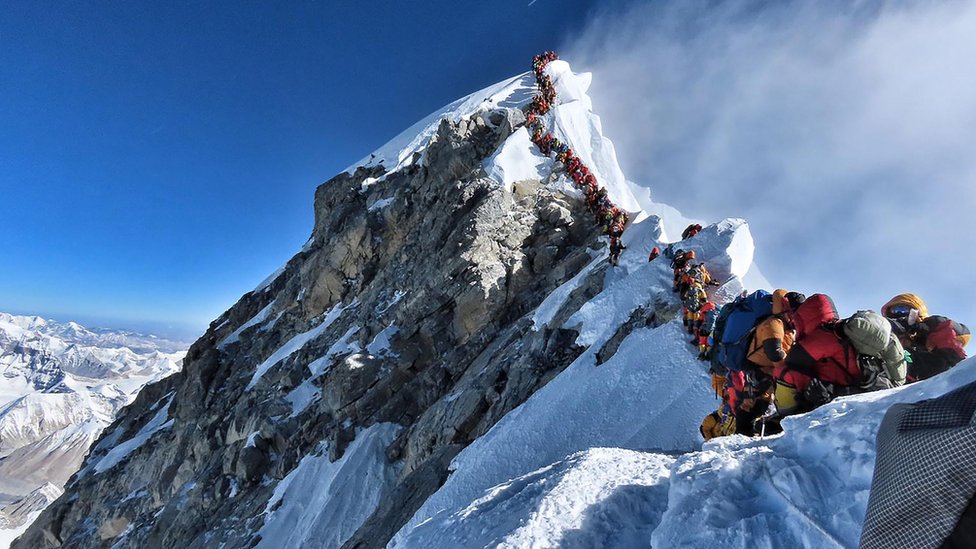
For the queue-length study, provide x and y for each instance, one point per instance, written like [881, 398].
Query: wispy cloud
[845, 135]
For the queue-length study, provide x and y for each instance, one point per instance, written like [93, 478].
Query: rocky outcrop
[407, 306]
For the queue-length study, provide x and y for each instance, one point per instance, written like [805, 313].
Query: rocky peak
[406, 309]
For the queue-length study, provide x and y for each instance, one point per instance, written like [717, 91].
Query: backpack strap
[846, 345]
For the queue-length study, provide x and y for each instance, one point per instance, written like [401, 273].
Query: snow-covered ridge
[62, 384]
[651, 394]
[72, 333]
[807, 487]
[326, 439]
[399, 151]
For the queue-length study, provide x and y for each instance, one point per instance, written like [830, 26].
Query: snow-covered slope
[61, 385]
[807, 487]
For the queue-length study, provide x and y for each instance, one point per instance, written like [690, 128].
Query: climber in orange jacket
[768, 348]
[680, 264]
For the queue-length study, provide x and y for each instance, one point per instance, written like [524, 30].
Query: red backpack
[816, 311]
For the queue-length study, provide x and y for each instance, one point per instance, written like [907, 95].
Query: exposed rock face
[406, 307]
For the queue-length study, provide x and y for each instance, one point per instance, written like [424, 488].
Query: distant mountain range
[61, 384]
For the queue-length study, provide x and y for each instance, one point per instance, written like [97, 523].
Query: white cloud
[845, 135]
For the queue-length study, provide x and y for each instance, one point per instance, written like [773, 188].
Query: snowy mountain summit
[450, 361]
[62, 384]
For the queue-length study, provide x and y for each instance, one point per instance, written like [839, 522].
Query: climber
[572, 165]
[655, 251]
[616, 246]
[833, 358]
[719, 423]
[773, 336]
[694, 298]
[685, 282]
[703, 330]
[815, 340]
[680, 264]
[935, 343]
[769, 344]
[691, 231]
[699, 274]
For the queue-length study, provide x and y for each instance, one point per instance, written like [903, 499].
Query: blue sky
[158, 160]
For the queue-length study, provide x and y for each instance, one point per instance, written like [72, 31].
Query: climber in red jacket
[820, 352]
[691, 231]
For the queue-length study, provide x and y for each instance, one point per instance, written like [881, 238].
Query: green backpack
[870, 334]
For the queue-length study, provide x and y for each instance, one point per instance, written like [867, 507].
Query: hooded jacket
[773, 338]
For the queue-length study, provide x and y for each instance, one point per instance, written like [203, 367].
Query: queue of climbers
[605, 212]
[784, 353]
[691, 281]
[771, 355]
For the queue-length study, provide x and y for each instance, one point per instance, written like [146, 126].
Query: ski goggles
[899, 311]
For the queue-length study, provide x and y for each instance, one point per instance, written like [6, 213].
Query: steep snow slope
[62, 384]
[601, 497]
[805, 488]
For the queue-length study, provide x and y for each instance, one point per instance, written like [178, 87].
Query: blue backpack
[744, 314]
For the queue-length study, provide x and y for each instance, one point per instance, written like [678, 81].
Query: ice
[518, 159]
[234, 337]
[268, 281]
[289, 348]
[323, 503]
[252, 439]
[295, 344]
[555, 300]
[121, 451]
[398, 152]
[603, 497]
[303, 396]
[575, 123]
[380, 204]
[381, 343]
[343, 346]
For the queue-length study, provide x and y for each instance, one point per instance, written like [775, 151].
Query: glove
[718, 384]
[869, 362]
[818, 393]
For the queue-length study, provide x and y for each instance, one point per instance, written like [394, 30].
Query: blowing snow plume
[843, 133]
